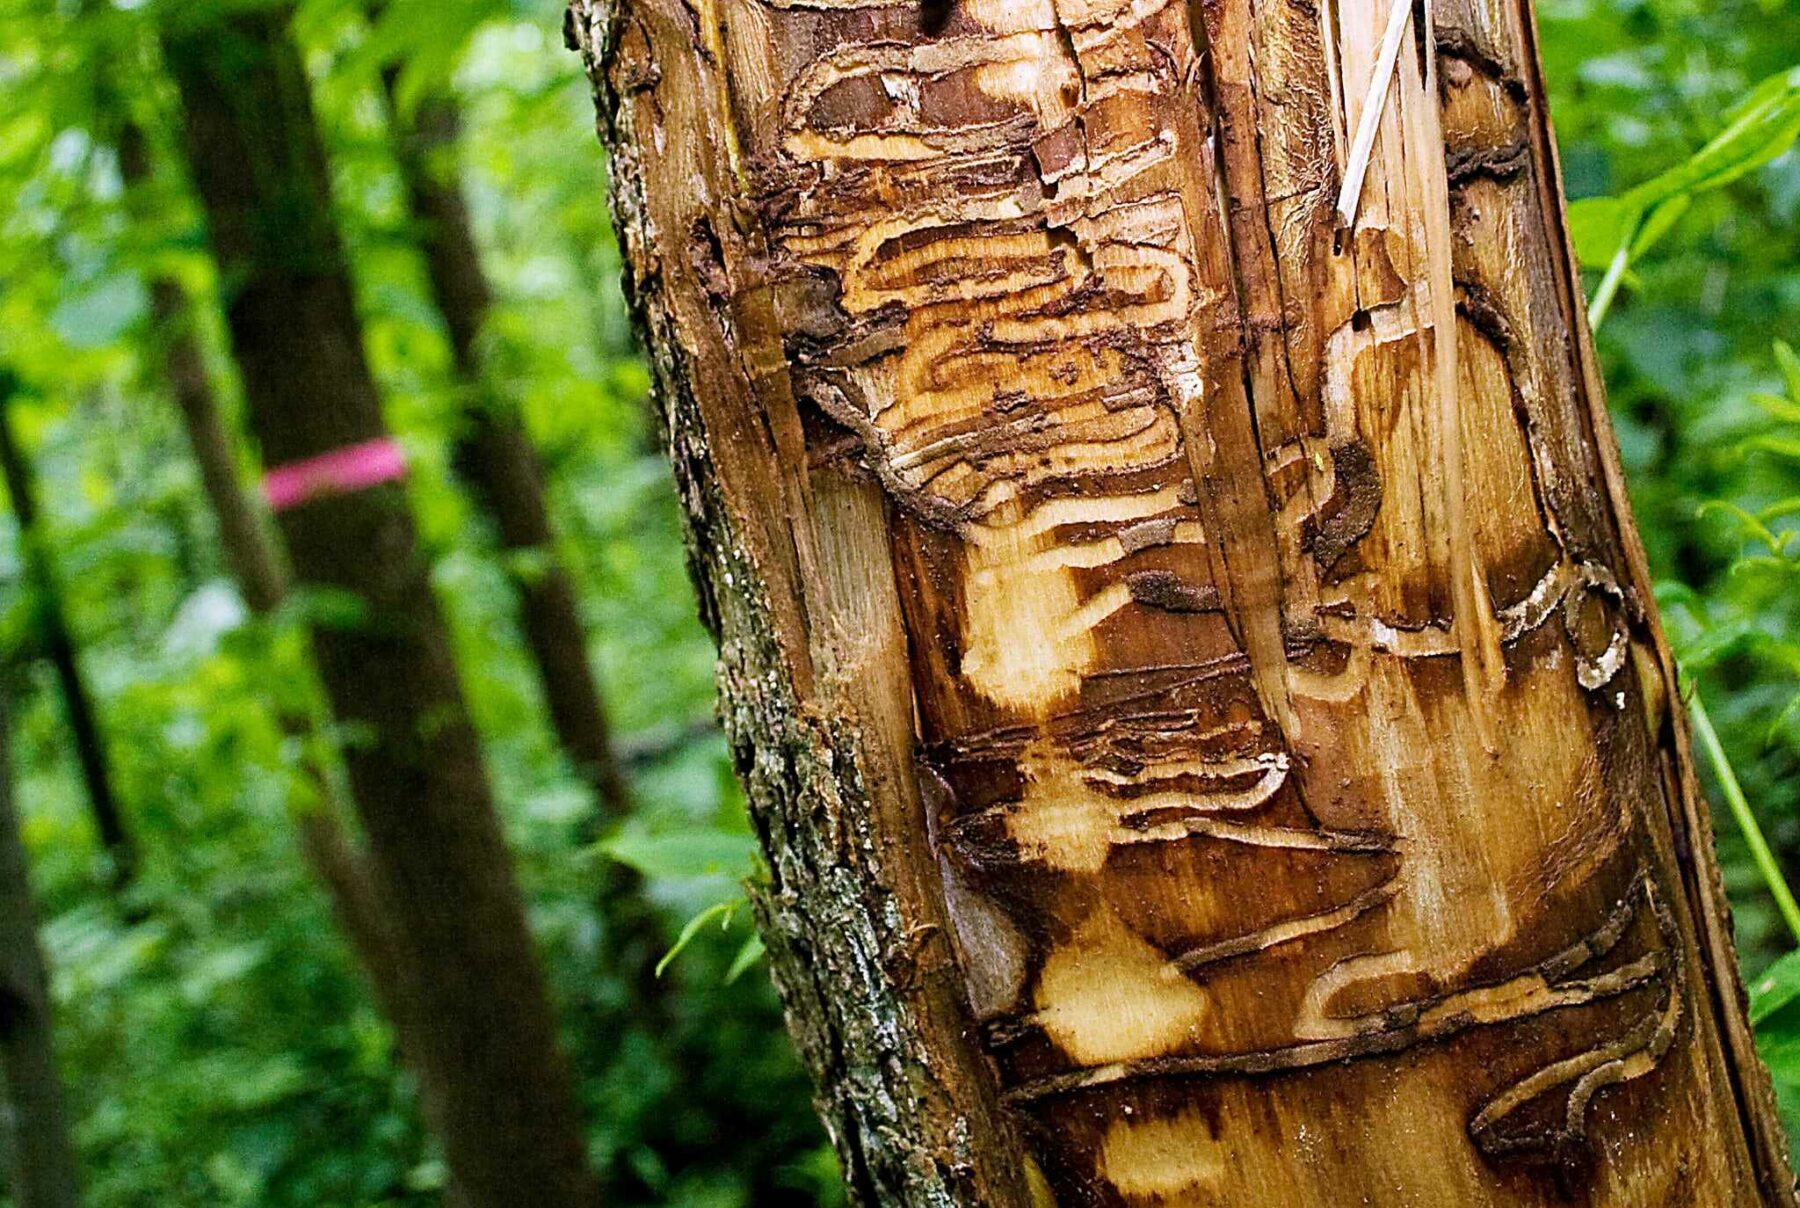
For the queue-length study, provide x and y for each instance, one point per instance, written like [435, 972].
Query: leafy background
[220, 1049]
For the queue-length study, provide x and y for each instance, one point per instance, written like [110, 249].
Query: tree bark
[495, 455]
[510, 1131]
[59, 648]
[1183, 637]
[41, 1158]
[340, 865]
[249, 553]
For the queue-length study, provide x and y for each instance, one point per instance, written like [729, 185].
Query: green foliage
[1739, 630]
[1702, 256]
[219, 1046]
[1758, 129]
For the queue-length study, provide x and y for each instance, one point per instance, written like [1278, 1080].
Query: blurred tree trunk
[510, 1131]
[1181, 626]
[59, 648]
[495, 455]
[249, 553]
[35, 1130]
[341, 867]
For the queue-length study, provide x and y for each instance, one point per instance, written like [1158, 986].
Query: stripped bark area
[1198, 621]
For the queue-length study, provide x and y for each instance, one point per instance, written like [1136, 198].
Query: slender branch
[1745, 816]
[1709, 737]
[1609, 285]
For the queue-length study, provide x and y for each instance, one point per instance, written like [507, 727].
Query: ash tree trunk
[1181, 628]
[487, 1031]
[335, 858]
[35, 1130]
[180, 360]
[495, 455]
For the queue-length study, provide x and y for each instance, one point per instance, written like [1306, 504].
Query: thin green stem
[1609, 286]
[1746, 819]
[1709, 737]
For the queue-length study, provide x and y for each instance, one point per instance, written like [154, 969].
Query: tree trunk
[1189, 655]
[35, 1130]
[496, 457]
[510, 1132]
[249, 553]
[59, 648]
[341, 867]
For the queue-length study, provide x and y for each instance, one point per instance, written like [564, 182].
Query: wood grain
[1240, 661]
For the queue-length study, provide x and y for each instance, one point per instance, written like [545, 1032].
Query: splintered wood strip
[1356, 167]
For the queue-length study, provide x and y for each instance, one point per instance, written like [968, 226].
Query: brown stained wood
[1188, 653]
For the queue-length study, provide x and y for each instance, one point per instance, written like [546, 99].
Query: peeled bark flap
[1207, 630]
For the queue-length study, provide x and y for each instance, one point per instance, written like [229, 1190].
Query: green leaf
[1659, 222]
[748, 955]
[1789, 363]
[696, 853]
[325, 608]
[1673, 594]
[1784, 409]
[692, 929]
[529, 565]
[1779, 1045]
[1778, 986]
[260, 1087]
[1717, 644]
[1754, 564]
[1759, 128]
[1782, 721]
[1754, 526]
[1781, 446]
[1599, 225]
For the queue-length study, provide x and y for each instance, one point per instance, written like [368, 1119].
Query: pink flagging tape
[339, 472]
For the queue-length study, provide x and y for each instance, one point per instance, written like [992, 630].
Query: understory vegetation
[218, 1044]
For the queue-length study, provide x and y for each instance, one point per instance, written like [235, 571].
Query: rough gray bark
[855, 928]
